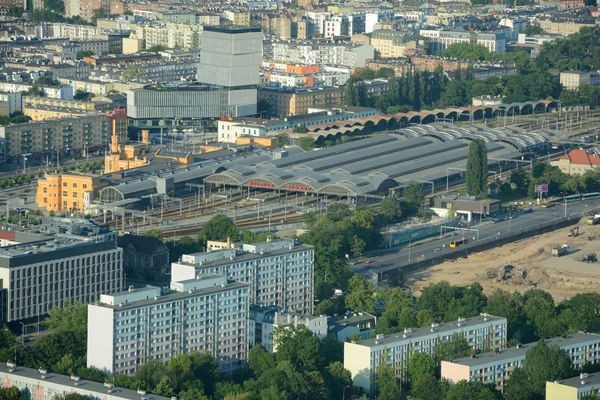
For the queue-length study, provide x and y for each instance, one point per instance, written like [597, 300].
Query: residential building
[98, 61]
[190, 18]
[64, 259]
[62, 92]
[577, 162]
[68, 192]
[63, 103]
[323, 53]
[362, 358]
[43, 385]
[536, 40]
[264, 320]
[203, 314]
[574, 388]
[481, 69]
[99, 88]
[401, 66]
[171, 35]
[297, 101]
[288, 265]
[13, 101]
[42, 113]
[145, 258]
[565, 26]
[358, 322]
[573, 79]
[570, 4]
[239, 18]
[392, 44]
[89, 131]
[155, 72]
[496, 367]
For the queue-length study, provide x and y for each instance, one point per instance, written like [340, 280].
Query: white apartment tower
[278, 272]
[203, 314]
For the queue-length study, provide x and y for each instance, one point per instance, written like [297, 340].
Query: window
[85, 185]
[74, 184]
[65, 193]
[74, 194]
[64, 184]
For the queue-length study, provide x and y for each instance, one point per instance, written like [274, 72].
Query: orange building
[118, 123]
[127, 155]
[68, 191]
[302, 69]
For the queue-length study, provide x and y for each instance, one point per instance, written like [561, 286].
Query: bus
[457, 243]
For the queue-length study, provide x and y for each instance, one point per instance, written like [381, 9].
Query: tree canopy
[476, 175]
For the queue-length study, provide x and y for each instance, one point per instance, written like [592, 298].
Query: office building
[279, 272]
[264, 320]
[439, 39]
[91, 131]
[496, 367]
[43, 385]
[574, 388]
[362, 358]
[65, 259]
[325, 53]
[69, 192]
[203, 314]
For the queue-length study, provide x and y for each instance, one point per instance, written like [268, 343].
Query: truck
[573, 232]
[593, 219]
[560, 250]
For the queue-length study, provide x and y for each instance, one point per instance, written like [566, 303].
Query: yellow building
[238, 17]
[50, 102]
[68, 191]
[391, 44]
[574, 388]
[285, 102]
[42, 113]
[171, 35]
[127, 155]
[564, 27]
[132, 45]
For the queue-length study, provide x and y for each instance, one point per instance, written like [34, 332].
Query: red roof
[581, 157]
[5, 235]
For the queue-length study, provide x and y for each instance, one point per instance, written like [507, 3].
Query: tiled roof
[581, 157]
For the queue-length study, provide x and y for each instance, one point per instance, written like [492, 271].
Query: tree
[388, 386]
[219, 227]
[326, 307]
[306, 143]
[426, 387]
[390, 209]
[298, 346]
[477, 169]
[134, 74]
[99, 13]
[518, 386]
[539, 311]
[337, 378]
[419, 365]
[358, 245]
[476, 390]
[351, 96]
[57, 6]
[84, 53]
[154, 233]
[456, 347]
[282, 139]
[151, 373]
[83, 96]
[545, 363]
[396, 278]
[164, 387]
[533, 30]
[11, 393]
[260, 361]
[413, 194]
[157, 48]
[360, 294]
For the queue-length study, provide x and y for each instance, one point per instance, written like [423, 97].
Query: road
[486, 230]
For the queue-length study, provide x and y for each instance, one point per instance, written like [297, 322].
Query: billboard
[541, 188]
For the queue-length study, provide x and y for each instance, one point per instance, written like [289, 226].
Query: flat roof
[85, 387]
[444, 327]
[231, 29]
[579, 383]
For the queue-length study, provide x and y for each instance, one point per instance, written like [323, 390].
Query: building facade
[347, 55]
[203, 314]
[363, 357]
[577, 162]
[68, 192]
[297, 101]
[279, 272]
[144, 258]
[69, 260]
[60, 134]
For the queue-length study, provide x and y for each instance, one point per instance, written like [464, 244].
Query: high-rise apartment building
[346, 55]
[279, 272]
[203, 314]
[484, 332]
[68, 259]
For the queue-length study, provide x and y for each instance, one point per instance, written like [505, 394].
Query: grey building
[144, 258]
[68, 259]
[279, 272]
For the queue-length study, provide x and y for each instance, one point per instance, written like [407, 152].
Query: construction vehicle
[593, 219]
[560, 250]
[573, 232]
[457, 243]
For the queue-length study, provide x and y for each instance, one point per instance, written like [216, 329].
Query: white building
[439, 39]
[279, 272]
[347, 55]
[362, 358]
[206, 313]
[69, 259]
[14, 101]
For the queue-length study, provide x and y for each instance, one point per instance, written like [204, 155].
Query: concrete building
[438, 39]
[203, 314]
[68, 192]
[392, 44]
[288, 265]
[172, 35]
[467, 207]
[13, 101]
[60, 134]
[362, 358]
[577, 162]
[359, 322]
[66, 259]
[239, 18]
[43, 385]
[496, 367]
[264, 320]
[574, 388]
[347, 55]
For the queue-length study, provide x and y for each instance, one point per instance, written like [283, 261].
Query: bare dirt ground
[525, 264]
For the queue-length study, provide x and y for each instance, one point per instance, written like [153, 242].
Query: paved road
[486, 230]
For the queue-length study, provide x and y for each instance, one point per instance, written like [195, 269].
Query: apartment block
[496, 367]
[573, 79]
[439, 39]
[574, 388]
[52, 135]
[362, 358]
[173, 35]
[67, 259]
[44, 385]
[392, 44]
[68, 191]
[279, 272]
[324, 53]
[203, 314]
[565, 26]
[263, 321]
[240, 18]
